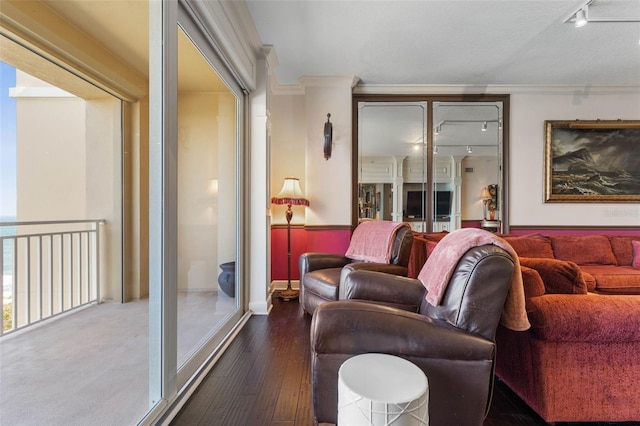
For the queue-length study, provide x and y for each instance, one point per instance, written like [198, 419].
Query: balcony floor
[91, 367]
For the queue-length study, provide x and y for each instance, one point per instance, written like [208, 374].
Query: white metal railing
[48, 268]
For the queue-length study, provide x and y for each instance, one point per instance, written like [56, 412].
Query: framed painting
[592, 161]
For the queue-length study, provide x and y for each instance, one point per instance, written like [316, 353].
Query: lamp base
[288, 294]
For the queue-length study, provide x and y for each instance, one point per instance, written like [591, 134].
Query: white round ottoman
[379, 389]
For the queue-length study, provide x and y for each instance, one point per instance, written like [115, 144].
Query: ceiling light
[500, 124]
[437, 131]
[484, 126]
[416, 147]
[469, 149]
[581, 17]
[435, 149]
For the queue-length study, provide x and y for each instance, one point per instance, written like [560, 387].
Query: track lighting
[437, 130]
[484, 126]
[435, 149]
[500, 124]
[581, 16]
[469, 149]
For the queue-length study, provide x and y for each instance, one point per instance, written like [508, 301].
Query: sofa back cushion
[583, 249]
[622, 248]
[531, 245]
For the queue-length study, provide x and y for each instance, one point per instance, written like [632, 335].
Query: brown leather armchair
[453, 343]
[322, 273]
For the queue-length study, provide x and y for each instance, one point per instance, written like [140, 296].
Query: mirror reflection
[462, 187]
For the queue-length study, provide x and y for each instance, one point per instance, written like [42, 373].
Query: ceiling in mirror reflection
[388, 130]
[467, 129]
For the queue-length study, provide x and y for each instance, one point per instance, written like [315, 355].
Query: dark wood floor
[263, 379]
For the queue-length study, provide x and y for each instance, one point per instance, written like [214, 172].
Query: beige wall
[197, 215]
[68, 165]
[529, 110]
[485, 172]
[50, 153]
[530, 107]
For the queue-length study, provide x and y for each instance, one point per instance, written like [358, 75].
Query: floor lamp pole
[289, 293]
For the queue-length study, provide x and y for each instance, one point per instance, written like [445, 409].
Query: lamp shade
[485, 194]
[290, 193]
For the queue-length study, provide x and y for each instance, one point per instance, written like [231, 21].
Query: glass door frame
[166, 382]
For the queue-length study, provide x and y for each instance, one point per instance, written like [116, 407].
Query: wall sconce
[328, 137]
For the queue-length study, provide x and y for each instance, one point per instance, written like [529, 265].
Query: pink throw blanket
[372, 241]
[437, 271]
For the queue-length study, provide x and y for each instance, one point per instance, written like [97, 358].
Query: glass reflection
[206, 200]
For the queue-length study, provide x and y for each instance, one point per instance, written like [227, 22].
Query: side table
[380, 389]
[490, 225]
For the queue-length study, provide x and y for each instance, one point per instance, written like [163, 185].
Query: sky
[7, 142]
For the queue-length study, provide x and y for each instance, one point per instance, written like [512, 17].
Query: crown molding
[328, 81]
[449, 89]
[313, 81]
[464, 89]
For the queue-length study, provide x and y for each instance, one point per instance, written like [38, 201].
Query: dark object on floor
[227, 278]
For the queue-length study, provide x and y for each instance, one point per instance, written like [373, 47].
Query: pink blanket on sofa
[372, 241]
[438, 268]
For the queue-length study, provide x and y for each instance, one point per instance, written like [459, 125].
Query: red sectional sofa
[580, 361]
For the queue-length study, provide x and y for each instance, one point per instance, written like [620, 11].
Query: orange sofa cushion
[583, 249]
[558, 276]
[614, 279]
[531, 245]
[622, 248]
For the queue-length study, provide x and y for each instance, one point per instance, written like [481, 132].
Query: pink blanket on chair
[372, 241]
[437, 271]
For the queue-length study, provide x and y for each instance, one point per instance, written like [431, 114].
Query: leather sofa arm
[354, 327]
[585, 318]
[312, 261]
[379, 267]
[390, 290]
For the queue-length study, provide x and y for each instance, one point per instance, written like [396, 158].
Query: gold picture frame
[592, 161]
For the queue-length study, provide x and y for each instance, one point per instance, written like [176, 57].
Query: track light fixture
[484, 126]
[469, 149]
[584, 16]
[435, 150]
[581, 16]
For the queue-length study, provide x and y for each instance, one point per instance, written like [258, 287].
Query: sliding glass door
[196, 210]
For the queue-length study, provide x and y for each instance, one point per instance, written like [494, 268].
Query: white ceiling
[462, 42]
[474, 42]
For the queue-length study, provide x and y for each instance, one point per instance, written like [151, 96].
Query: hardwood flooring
[264, 379]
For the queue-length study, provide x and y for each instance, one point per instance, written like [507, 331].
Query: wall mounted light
[328, 137]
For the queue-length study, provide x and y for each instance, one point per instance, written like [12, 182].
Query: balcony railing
[48, 268]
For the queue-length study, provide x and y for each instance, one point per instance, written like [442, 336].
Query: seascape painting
[592, 161]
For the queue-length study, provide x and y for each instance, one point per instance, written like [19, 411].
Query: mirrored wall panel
[436, 164]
